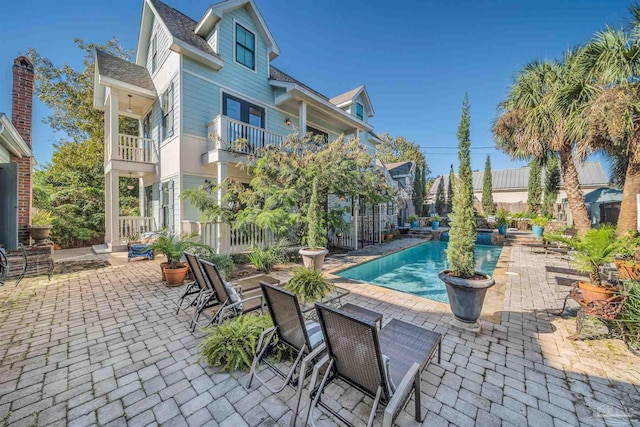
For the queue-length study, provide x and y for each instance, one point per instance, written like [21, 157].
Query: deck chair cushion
[233, 294]
[386, 362]
[314, 331]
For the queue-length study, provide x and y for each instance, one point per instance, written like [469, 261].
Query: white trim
[127, 87]
[13, 140]
[186, 49]
[190, 135]
[255, 47]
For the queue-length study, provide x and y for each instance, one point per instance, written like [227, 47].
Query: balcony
[132, 154]
[233, 136]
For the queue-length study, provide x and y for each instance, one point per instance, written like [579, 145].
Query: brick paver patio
[104, 347]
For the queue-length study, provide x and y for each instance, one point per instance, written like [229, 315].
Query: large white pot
[313, 258]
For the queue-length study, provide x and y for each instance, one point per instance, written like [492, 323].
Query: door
[9, 206]
[243, 111]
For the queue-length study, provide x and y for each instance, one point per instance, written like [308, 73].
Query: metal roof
[589, 174]
[124, 71]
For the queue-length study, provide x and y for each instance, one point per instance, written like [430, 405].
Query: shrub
[224, 263]
[501, 217]
[309, 284]
[540, 221]
[630, 315]
[412, 218]
[265, 259]
[233, 343]
[42, 217]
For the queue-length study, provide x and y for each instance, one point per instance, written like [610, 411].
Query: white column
[223, 229]
[302, 118]
[112, 208]
[357, 214]
[113, 123]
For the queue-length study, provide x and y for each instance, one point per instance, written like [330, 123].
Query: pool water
[415, 270]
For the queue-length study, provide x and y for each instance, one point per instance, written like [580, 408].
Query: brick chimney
[22, 114]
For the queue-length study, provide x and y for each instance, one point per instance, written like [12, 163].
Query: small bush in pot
[41, 224]
[593, 249]
[309, 284]
[537, 225]
[413, 220]
[313, 255]
[173, 247]
[502, 216]
[435, 222]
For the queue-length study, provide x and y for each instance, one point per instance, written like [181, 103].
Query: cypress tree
[487, 189]
[534, 197]
[440, 200]
[462, 234]
[551, 186]
[452, 181]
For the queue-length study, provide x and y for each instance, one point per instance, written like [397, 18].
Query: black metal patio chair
[233, 300]
[304, 338]
[384, 365]
[198, 290]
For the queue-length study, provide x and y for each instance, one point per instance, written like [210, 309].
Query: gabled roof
[214, 14]
[124, 71]
[281, 76]
[399, 168]
[589, 174]
[11, 139]
[349, 97]
[181, 26]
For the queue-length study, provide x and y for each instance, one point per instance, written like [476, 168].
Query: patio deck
[103, 347]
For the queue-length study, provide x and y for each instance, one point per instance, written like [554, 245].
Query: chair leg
[376, 402]
[260, 350]
[309, 415]
[416, 396]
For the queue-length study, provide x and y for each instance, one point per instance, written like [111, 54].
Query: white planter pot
[313, 258]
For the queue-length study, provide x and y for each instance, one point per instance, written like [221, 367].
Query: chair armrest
[403, 390]
[316, 351]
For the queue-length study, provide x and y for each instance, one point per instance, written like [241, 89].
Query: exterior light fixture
[287, 121]
[129, 110]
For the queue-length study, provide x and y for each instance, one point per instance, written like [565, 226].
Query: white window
[245, 47]
[154, 53]
[167, 112]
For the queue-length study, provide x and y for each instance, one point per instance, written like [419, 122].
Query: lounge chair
[233, 300]
[290, 328]
[384, 365]
[199, 291]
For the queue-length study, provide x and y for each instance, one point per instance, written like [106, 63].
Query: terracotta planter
[389, 236]
[40, 233]
[165, 264]
[595, 293]
[313, 258]
[175, 276]
[627, 271]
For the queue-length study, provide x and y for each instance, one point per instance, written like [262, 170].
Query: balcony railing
[131, 227]
[135, 149]
[233, 135]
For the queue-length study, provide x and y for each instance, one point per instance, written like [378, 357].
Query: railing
[227, 240]
[135, 149]
[131, 227]
[233, 135]
[344, 239]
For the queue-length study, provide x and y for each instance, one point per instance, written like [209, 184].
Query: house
[16, 161]
[510, 186]
[403, 173]
[195, 88]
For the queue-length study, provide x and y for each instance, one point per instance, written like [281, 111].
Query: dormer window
[154, 53]
[359, 111]
[245, 47]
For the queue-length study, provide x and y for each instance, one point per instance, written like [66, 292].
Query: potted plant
[537, 225]
[628, 258]
[435, 222]
[173, 248]
[313, 255]
[413, 220]
[593, 249]
[502, 216]
[389, 232]
[41, 224]
[309, 284]
[466, 288]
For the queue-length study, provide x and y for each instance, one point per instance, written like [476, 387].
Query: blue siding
[201, 103]
[190, 212]
[163, 45]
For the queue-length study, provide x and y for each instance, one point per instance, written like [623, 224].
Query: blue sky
[417, 58]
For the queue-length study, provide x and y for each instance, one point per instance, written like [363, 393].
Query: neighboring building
[403, 173]
[510, 185]
[16, 162]
[196, 87]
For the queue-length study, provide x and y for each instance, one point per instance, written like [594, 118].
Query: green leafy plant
[629, 246]
[233, 343]
[42, 217]
[436, 218]
[502, 216]
[264, 259]
[224, 263]
[173, 247]
[309, 284]
[487, 189]
[593, 249]
[462, 234]
[630, 314]
[539, 221]
[315, 236]
[412, 218]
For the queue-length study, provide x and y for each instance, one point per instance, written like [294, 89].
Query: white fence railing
[345, 239]
[227, 240]
[233, 135]
[135, 148]
[131, 227]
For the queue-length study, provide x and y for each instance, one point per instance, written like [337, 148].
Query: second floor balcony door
[240, 110]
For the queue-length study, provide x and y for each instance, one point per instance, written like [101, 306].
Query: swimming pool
[415, 270]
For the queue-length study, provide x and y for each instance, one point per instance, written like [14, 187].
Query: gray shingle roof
[344, 97]
[182, 27]
[124, 71]
[589, 173]
[399, 168]
[281, 76]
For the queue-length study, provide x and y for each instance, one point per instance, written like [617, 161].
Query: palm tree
[612, 119]
[534, 124]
